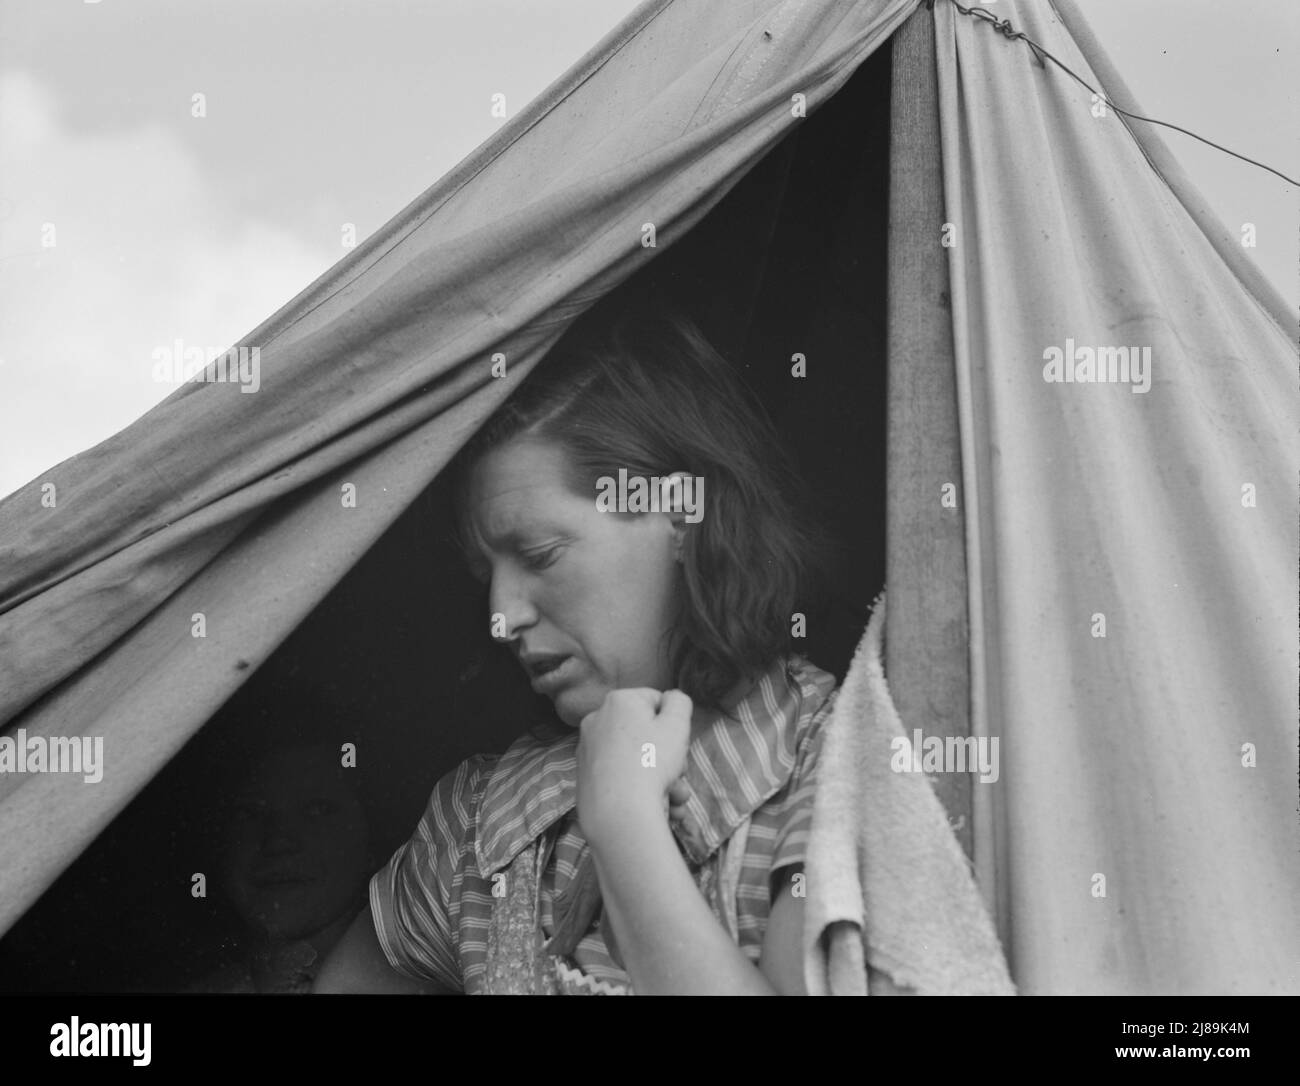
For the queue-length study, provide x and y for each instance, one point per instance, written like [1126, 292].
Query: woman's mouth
[550, 671]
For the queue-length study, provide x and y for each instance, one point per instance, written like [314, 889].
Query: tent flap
[376, 373]
[1131, 543]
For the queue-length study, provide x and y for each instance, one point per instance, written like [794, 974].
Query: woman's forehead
[518, 489]
[520, 462]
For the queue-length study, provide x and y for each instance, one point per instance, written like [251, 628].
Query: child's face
[296, 857]
[588, 597]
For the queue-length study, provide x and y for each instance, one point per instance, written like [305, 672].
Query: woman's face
[586, 596]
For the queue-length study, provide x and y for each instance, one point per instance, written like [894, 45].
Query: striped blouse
[753, 773]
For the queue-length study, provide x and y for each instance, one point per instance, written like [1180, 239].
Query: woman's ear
[680, 498]
[679, 537]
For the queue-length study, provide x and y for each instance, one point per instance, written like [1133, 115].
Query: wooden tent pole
[926, 631]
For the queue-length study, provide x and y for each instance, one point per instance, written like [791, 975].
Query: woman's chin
[574, 703]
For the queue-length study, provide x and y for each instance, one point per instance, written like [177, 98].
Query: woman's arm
[668, 938]
[358, 964]
[670, 942]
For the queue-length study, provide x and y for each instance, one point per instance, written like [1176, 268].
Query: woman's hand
[630, 752]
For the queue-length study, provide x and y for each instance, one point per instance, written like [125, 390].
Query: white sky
[323, 112]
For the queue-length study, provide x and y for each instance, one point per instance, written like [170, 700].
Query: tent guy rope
[1008, 31]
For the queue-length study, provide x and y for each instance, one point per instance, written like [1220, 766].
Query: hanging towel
[888, 884]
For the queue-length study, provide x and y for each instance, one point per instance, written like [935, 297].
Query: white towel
[883, 866]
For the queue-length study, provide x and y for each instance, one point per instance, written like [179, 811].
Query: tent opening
[791, 263]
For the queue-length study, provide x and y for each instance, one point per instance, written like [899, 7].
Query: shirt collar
[733, 766]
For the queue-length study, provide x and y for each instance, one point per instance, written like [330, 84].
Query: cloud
[147, 249]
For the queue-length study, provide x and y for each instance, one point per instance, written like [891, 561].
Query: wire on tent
[1004, 27]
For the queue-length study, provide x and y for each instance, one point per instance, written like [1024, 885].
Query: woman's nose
[512, 609]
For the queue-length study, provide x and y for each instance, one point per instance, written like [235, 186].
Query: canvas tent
[1141, 835]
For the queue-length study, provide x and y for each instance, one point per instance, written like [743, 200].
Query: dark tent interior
[793, 260]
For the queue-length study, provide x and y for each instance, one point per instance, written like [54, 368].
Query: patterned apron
[521, 961]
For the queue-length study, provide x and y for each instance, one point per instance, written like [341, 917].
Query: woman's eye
[543, 558]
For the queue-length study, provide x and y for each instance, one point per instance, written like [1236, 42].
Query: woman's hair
[647, 393]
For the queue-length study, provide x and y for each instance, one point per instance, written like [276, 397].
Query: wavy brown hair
[649, 394]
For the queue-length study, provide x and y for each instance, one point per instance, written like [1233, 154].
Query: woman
[644, 562]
